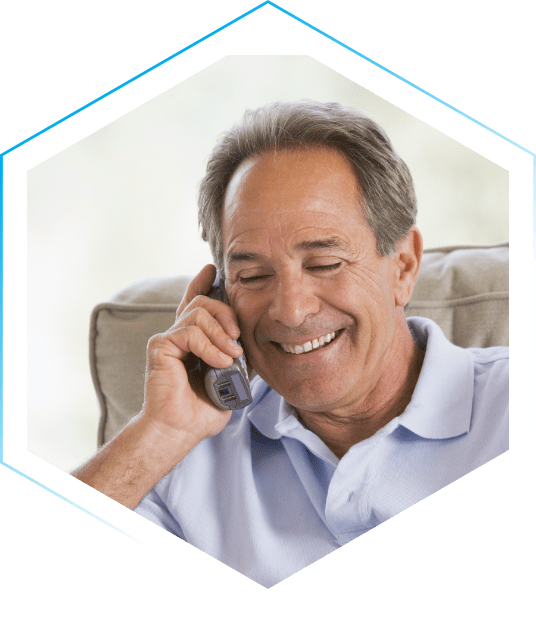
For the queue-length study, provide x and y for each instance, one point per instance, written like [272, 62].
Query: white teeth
[310, 345]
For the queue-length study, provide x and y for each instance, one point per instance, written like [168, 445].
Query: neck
[340, 429]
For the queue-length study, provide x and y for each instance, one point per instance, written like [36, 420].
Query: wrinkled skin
[302, 262]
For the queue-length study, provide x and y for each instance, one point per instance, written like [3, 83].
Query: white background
[120, 206]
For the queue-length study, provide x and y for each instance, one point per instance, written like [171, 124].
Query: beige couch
[463, 289]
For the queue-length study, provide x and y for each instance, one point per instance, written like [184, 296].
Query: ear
[407, 261]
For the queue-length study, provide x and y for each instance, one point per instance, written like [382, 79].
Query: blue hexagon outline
[158, 64]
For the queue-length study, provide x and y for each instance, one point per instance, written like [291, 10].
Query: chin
[315, 404]
[312, 397]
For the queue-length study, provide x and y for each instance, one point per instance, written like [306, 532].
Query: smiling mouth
[310, 346]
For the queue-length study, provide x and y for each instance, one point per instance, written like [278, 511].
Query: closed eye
[320, 268]
[324, 267]
[247, 280]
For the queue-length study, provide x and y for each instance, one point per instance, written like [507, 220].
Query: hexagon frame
[111, 513]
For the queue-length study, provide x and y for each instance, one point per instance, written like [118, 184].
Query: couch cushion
[463, 289]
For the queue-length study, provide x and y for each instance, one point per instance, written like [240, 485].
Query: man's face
[302, 267]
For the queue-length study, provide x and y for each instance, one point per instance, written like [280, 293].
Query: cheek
[248, 312]
[368, 289]
[351, 294]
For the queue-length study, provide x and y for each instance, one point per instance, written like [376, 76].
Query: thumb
[199, 285]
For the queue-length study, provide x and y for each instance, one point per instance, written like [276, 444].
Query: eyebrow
[307, 245]
[242, 257]
[323, 243]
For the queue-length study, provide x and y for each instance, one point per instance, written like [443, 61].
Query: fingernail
[226, 357]
[235, 344]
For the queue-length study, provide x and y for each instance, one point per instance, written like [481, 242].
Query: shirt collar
[271, 414]
[263, 411]
[440, 407]
[442, 402]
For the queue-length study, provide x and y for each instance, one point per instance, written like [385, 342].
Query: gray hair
[390, 206]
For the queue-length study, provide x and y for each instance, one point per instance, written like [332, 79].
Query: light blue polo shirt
[267, 497]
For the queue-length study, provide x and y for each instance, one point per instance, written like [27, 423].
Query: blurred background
[120, 206]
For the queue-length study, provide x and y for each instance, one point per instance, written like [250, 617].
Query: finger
[192, 340]
[224, 315]
[199, 285]
[221, 312]
[210, 325]
[195, 292]
[164, 350]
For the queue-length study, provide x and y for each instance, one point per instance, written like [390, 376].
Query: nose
[294, 300]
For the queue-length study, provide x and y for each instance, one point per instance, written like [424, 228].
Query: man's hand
[176, 415]
[206, 328]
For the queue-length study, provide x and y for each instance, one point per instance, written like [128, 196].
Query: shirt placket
[348, 513]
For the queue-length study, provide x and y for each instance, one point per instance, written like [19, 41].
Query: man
[357, 412]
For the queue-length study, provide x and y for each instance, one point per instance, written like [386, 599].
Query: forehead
[291, 190]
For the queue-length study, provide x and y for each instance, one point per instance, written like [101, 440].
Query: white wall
[121, 205]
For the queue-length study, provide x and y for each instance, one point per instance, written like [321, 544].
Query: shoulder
[491, 365]
[491, 392]
[486, 356]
